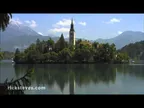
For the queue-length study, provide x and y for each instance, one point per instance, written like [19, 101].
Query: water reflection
[131, 70]
[70, 75]
[13, 86]
[77, 75]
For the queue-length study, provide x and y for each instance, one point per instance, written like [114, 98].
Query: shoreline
[72, 63]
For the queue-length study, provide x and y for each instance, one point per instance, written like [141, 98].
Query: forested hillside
[134, 50]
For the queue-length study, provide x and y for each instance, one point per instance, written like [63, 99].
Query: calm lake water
[79, 78]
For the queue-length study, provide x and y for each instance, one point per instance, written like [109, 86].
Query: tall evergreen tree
[17, 55]
[61, 44]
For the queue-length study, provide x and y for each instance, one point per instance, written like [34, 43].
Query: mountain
[21, 36]
[21, 42]
[124, 38]
[134, 50]
[16, 35]
[15, 29]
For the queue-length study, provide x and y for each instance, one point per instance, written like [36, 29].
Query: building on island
[72, 34]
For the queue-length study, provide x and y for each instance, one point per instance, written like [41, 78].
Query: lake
[79, 78]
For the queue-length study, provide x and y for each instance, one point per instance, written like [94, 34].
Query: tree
[49, 45]
[17, 51]
[47, 57]
[134, 50]
[85, 44]
[86, 54]
[32, 56]
[78, 43]
[142, 56]
[61, 44]
[122, 57]
[38, 42]
[53, 56]
[65, 55]
[1, 55]
[112, 51]
[4, 20]
[50, 42]
[83, 54]
[17, 55]
[95, 45]
[7, 55]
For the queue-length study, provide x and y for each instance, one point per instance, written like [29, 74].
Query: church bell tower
[72, 34]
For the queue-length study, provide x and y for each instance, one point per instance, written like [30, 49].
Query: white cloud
[113, 20]
[62, 30]
[119, 32]
[63, 22]
[31, 23]
[15, 21]
[61, 26]
[82, 23]
[40, 33]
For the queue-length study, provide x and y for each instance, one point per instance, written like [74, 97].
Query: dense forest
[1, 55]
[5, 55]
[60, 52]
[134, 50]
[8, 55]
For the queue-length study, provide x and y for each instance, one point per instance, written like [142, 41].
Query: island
[76, 51]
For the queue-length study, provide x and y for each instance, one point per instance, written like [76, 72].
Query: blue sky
[88, 26]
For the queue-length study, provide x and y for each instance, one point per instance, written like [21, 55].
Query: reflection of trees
[8, 87]
[63, 74]
[132, 70]
[94, 73]
[71, 82]
[82, 74]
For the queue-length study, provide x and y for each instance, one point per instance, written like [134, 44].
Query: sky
[88, 26]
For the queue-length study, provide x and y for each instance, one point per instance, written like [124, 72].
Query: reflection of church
[71, 84]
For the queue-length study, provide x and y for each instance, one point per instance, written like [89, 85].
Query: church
[72, 34]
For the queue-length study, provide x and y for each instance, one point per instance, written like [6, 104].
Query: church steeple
[72, 25]
[72, 34]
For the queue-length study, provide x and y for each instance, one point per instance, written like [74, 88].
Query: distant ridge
[124, 38]
[21, 36]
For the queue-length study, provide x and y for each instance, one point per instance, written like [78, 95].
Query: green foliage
[1, 55]
[7, 55]
[61, 44]
[4, 20]
[53, 56]
[134, 50]
[142, 57]
[82, 54]
[65, 55]
[50, 42]
[23, 81]
[104, 52]
[17, 55]
[122, 57]
[60, 52]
